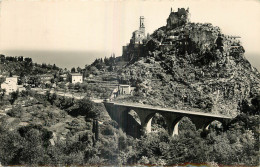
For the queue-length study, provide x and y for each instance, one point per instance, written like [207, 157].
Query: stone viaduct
[120, 113]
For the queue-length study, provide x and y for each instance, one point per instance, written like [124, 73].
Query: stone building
[139, 35]
[136, 43]
[10, 84]
[125, 89]
[122, 90]
[179, 18]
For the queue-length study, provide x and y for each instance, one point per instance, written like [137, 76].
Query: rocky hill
[192, 66]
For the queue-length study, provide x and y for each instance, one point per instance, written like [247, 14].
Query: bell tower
[142, 27]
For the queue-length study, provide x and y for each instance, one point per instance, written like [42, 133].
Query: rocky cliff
[192, 66]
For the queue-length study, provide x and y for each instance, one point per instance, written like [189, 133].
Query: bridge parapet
[171, 116]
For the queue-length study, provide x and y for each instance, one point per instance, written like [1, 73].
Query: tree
[20, 58]
[250, 108]
[62, 85]
[35, 140]
[78, 86]
[73, 70]
[65, 103]
[86, 73]
[110, 68]
[52, 98]
[93, 70]
[54, 67]
[14, 96]
[10, 74]
[106, 61]
[84, 107]
[28, 63]
[2, 79]
[2, 58]
[96, 130]
[9, 147]
[160, 34]
[34, 81]
[16, 111]
[71, 86]
[79, 69]
[255, 104]
[2, 93]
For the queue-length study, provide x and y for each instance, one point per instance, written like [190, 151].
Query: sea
[62, 59]
[69, 59]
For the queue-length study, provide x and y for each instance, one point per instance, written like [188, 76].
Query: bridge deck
[142, 106]
[136, 105]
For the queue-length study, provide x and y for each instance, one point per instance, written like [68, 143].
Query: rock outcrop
[192, 66]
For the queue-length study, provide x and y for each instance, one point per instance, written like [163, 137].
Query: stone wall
[178, 18]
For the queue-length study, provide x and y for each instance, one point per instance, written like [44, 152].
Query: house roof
[76, 74]
[7, 83]
[138, 31]
[124, 85]
[14, 76]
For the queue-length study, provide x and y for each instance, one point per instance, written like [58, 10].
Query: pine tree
[97, 130]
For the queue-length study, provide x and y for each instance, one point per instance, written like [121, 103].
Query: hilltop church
[139, 35]
[136, 42]
[136, 47]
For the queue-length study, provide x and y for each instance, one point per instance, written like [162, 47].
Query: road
[133, 105]
[66, 94]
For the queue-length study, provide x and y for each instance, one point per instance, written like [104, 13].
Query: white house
[125, 89]
[76, 77]
[13, 78]
[122, 90]
[10, 84]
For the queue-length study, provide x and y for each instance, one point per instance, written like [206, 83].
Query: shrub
[16, 111]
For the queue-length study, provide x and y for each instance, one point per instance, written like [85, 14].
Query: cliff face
[193, 66]
[203, 35]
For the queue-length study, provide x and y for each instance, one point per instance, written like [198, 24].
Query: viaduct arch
[119, 112]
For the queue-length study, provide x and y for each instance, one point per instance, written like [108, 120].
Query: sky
[106, 25]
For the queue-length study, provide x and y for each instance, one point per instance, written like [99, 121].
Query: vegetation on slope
[194, 66]
[57, 131]
[21, 66]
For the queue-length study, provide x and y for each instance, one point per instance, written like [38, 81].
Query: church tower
[142, 27]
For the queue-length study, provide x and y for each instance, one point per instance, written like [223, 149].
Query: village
[72, 84]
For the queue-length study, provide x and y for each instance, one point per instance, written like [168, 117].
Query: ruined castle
[179, 18]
